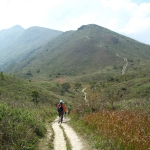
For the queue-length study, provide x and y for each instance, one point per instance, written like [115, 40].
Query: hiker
[61, 110]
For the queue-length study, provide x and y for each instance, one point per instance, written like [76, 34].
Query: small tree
[29, 73]
[66, 86]
[77, 85]
[35, 96]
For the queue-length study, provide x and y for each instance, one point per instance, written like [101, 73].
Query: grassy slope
[19, 94]
[116, 115]
[89, 50]
[127, 92]
[20, 91]
[27, 43]
[21, 121]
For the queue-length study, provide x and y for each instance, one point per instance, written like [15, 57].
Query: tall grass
[130, 130]
[19, 129]
[22, 123]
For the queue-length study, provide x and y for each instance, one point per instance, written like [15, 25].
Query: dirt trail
[76, 142]
[125, 65]
[73, 137]
[84, 94]
[59, 140]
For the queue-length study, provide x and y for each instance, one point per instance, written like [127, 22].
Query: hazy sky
[128, 17]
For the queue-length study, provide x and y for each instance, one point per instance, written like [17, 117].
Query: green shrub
[19, 129]
[77, 85]
[66, 86]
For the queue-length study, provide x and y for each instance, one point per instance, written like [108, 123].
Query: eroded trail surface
[73, 137]
[59, 140]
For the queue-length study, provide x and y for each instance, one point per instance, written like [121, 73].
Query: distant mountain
[7, 36]
[89, 50]
[17, 43]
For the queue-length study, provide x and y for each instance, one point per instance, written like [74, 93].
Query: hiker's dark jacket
[63, 106]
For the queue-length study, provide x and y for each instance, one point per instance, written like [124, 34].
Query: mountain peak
[17, 27]
[88, 26]
[14, 28]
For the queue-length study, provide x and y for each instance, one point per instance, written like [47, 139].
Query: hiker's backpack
[60, 109]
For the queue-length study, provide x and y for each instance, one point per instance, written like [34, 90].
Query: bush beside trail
[19, 129]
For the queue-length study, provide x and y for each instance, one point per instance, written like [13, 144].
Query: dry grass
[131, 130]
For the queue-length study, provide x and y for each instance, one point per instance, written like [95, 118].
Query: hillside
[18, 43]
[14, 91]
[102, 76]
[7, 36]
[90, 50]
[21, 118]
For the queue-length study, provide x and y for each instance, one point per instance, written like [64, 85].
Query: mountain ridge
[89, 49]
[9, 35]
[26, 42]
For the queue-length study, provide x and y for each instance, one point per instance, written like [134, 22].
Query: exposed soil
[126, 63]
[77, 143]
[59, 140]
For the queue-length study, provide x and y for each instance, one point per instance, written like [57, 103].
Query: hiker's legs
[59, 114]
[62, 113]
[59, 119]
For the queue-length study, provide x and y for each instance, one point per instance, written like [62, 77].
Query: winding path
[59, 140]
[84, 94]
[63, 133]
[126, 63]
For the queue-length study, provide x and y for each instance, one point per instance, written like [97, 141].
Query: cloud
[138, 24]
[25, 12]
[139, 20]
[123, 16]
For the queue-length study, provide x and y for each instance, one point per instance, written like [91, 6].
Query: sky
[127, 17]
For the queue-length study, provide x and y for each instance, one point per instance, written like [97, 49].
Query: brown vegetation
[130, 129]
